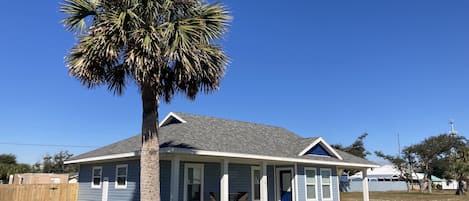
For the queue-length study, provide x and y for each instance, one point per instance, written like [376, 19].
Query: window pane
[96, 181]
[310, 176]
[257, 176]
[311, 191]
[197, 177]
[193, 192]
[121, 171]
[326, 174]
[257, 191]
[190, 175]
[121, 181]
[286, 182]
[96, 172]
[326, 191]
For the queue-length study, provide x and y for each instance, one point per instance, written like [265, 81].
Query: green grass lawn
[405, 196]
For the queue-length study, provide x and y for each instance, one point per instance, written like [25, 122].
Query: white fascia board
[223, 154]
[168, 116]
[261, 157]
[101, 158]
[319, 140]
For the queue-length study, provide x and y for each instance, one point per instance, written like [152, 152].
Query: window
[96, 177]
[311, 184]
[326, 183]
[193, 182]
[256, 183]
[121, 176]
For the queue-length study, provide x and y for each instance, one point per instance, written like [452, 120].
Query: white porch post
[366, 195]
[224, 189]
[175, 165]
[263, 183]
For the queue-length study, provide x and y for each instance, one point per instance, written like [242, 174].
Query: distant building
[38, 178]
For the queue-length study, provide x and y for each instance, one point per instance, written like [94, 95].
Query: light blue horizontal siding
[165, 180]
[270, 183]
[131, 193]
[240, 179]
[301, 182]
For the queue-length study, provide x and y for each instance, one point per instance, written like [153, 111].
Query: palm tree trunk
[149, 158]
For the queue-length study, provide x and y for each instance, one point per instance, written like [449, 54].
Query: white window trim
[253, 168]
[315, 183]
[117, 186]
[186, 168]
[93, 176]
[330, 183]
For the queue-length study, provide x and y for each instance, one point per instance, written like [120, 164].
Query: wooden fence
[38, 192]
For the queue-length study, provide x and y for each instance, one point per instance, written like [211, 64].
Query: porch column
[366, 195]
[175, 165]
[263, 183]
[224, 181]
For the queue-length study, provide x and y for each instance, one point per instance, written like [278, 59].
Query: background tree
[404, 163]
[457, 165]
[9, 166]
[357, 148]
[55, 164]
[431, 150]
[163, 46]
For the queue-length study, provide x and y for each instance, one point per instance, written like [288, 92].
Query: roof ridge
[234, 120]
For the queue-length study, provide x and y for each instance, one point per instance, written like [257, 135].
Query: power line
[47, 145]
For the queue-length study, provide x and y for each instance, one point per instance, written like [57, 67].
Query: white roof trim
[168, 117]
[321, 141]
[223, 154]
[261, 157]
[105, 157]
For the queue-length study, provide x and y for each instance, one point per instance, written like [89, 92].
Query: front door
[285, 185]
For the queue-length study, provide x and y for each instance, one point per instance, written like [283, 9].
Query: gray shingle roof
[222, 135]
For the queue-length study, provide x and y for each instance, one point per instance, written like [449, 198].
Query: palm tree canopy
[168, 45]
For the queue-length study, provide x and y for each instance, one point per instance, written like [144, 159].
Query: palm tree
[163, 46]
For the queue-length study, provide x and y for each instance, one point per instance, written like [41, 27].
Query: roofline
[101, 158]
[224, 154]
[261, 157]
[171, 114]
[322, 141]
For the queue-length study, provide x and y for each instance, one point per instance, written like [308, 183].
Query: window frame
[315, 182]
[202, 182]
[330, 184]
[254, 168]
[116, 184]
[94, 176]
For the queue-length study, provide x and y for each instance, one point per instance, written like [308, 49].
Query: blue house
[212, 159]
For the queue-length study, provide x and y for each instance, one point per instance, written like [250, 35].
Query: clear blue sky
[318, 68]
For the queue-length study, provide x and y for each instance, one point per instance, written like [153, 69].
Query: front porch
[202, 178]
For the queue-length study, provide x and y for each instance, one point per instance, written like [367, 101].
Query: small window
[256, 183]
[326, 183]
[121, 176]
[96, 177]
[311, 184]
[193, 182]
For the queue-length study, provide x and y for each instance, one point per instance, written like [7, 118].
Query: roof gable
[172, 118]
[321, 148]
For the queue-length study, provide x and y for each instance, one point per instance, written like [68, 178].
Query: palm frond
[78, 11]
